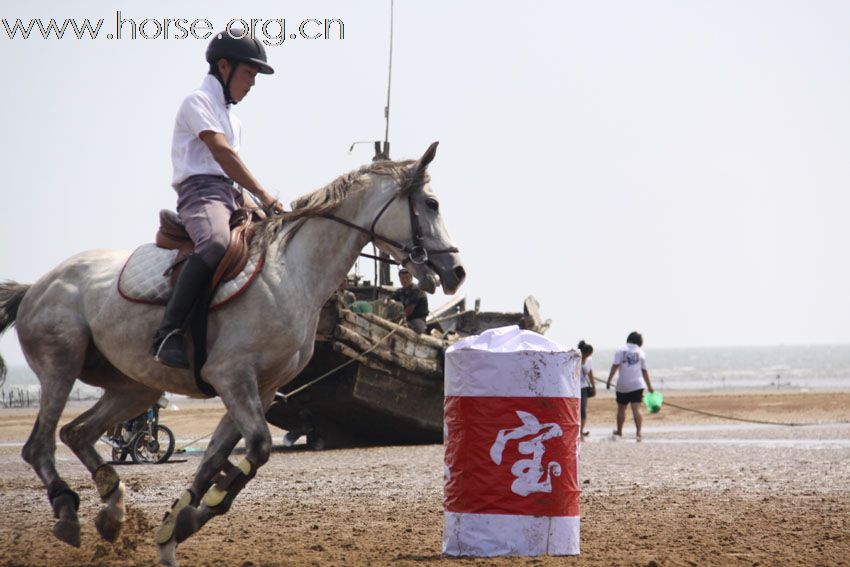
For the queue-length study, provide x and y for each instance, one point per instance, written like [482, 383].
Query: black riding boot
[168, 345]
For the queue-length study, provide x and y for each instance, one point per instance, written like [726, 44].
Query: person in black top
[414, 300]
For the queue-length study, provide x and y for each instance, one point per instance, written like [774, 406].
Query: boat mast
[385, 154]
[382, 152]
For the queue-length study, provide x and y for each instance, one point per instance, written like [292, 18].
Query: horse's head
[412, 230]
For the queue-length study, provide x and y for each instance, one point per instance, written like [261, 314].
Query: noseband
[417, 253]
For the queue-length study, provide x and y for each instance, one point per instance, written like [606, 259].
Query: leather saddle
[172, 235]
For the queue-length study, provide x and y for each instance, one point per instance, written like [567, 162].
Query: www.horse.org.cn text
[271, 31]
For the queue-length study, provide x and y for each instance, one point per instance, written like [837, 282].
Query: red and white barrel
[512, 444]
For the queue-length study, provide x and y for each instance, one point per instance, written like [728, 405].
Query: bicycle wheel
[153, 449]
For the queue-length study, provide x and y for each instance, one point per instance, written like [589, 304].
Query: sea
[790, 368]
[813, 367]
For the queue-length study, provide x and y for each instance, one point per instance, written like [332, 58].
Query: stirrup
[181, 362]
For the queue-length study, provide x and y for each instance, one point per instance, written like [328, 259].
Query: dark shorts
[584, 396]
[417, 324]
[633, 397]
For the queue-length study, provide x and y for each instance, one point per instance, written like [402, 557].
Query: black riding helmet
[243, 50]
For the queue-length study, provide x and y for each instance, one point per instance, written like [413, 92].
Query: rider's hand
[271, 204]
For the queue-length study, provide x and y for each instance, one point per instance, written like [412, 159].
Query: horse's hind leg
[122, 400]
[56, 358]
[40, 452]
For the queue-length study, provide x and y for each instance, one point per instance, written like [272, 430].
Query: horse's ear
[427, 157]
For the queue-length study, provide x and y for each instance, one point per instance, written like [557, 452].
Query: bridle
[417, 253]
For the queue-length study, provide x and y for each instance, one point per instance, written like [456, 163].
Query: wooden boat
[372, 381]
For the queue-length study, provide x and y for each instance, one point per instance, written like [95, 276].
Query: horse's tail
[11, 294]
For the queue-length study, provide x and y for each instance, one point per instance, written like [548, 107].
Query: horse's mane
[325, 200]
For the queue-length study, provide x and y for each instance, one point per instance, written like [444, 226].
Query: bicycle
[145, 440]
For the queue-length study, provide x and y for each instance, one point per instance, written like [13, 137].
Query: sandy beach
[698, 491]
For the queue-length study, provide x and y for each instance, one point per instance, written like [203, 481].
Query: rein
[416, 253]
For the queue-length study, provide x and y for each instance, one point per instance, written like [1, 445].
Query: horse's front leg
[222, 442]
[218, 481]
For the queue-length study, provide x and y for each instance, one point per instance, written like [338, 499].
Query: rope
[183, 448]
[312, 382]
[732, 418]
[729, 417]
[286, 397]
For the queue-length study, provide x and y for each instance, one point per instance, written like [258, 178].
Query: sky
[674, 167]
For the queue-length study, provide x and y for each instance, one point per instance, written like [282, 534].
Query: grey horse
[72, 323]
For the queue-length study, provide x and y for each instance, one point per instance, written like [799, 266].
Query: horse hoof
[107, 526]
[68, 531]
[168, 554]
[186, 524]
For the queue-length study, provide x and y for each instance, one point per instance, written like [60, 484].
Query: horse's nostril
[460, 273]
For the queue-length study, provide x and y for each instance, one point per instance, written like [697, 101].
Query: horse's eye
[432, 204]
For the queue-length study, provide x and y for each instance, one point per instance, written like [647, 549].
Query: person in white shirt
[588, 382]
[205, 157]
[631, 363]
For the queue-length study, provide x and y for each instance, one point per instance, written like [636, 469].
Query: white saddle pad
[143, 278]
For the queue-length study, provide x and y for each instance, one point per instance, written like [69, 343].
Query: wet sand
[698, 491]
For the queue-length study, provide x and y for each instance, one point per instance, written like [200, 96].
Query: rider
[205, 157]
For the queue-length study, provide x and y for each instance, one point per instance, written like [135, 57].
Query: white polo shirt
[631, 360]
[586, 369]
[202, 110]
